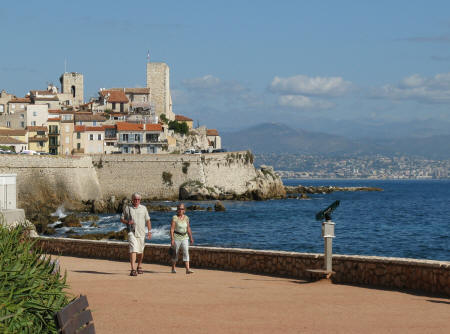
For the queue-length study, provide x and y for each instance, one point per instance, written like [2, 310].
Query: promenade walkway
[211, 301]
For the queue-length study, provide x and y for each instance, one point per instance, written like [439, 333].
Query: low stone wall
[423, 275]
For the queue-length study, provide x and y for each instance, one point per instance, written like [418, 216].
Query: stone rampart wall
[422, 275]
[123, 174]
[73, 176]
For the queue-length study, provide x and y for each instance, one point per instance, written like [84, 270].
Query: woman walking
[180, 233]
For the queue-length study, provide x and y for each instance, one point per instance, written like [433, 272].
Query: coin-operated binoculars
[328, 235]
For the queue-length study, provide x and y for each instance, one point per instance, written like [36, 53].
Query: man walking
[135, 217]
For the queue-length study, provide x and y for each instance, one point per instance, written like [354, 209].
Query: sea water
[409, 218]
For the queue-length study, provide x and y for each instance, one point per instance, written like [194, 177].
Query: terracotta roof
[37, 139]
[12, 132]
[41, 98]
[54, 119]
[20, 100]
[89, 118]
[10, 140]
[95, 128]
[54, 111]
[109, 126]
[123, 126]
[115, 96]
[136, 90]
[182, 118]
[212, 132]
[79, 128]
[36, 128]
[153, 127]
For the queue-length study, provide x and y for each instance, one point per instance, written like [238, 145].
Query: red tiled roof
[182, 118]
[124, 126]
[212, 132]
[79, 128]
[136, 90]
[89, 117]
[95, 128]
[12, 132]
[36, 128]
[153, 127]
[54, 119]
[109, 126]
[54, 111]
[115, 96]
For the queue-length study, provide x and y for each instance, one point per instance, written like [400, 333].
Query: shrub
[31, 288]
[167, 178]
[179, 127]
[163, 118]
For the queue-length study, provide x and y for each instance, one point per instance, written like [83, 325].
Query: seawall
[398, 273]
[62, 177]
[159, 176]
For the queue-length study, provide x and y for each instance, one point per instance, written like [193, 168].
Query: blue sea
[409, 218]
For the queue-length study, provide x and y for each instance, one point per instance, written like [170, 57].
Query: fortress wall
[123, 174]
[69, 177]
[422, 275]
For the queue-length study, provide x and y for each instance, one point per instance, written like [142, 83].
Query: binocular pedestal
[328, 235]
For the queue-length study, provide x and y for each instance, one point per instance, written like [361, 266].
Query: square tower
[158, 80]
[72, 85]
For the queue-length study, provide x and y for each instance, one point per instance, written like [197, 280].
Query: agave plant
[31, 287]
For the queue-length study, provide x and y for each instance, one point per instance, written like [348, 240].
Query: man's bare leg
[139, 257]
[132, 260]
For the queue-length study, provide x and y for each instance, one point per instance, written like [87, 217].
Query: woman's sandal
[133, 272]
[139, 270]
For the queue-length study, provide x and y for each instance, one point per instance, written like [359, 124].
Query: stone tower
[158, 80]
[72, 84]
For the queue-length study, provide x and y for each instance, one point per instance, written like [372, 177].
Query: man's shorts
[136, 244]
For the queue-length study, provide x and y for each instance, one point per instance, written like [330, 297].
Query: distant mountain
[280, 138]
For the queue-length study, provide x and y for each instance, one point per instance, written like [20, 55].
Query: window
[67, 117]
[94, 123]
[78, 146]
[22, 116]
[114, 105]
[1, 107]
[8, 124]
[125, 149]
[78, 135]
[34, 113]
[33, 123]
[125, 137]
[22, 124]
[91, 137]
[41, 144]
[99, 136]
[137, 138]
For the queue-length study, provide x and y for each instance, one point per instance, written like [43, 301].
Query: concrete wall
[123, 174]
[73, 177]
[422, 275]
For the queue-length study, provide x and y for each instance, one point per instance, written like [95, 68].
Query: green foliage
[179, 127]
[163, 118]
[167, 178]
[7, 148]
[31, 289]
[185, 167]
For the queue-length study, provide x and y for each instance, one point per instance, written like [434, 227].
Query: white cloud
[415, 87]
[205, 82]
[212, 85]
[303, 102]
[311, 86]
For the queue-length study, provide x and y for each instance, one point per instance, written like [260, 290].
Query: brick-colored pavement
[211, 301]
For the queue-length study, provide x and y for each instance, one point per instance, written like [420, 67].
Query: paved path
[211, 301]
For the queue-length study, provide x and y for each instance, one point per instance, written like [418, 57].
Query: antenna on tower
[148, 56]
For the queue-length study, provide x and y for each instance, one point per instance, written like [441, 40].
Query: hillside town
[119, 120]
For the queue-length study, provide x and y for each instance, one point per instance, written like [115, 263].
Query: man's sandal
[133, 272]
[139, 270]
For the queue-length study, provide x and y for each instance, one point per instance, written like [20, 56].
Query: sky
[234, 64]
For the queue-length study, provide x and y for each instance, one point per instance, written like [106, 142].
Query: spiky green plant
[31, 287]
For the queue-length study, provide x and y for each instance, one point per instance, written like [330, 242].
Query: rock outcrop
[325, 189]
[266, 185]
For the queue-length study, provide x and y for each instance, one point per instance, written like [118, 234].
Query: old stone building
[72, 88]
[158, 80]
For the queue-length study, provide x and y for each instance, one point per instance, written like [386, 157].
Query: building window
[91, 137]
[8, 124]
[125, 149]
[99, 136]
[22, 124]
[137, 138]
[33, 123]
[22, 116]
[114, 105]
[34, 113]
[78, 135]
[78, 146]
[94, 123]
[125, 137]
